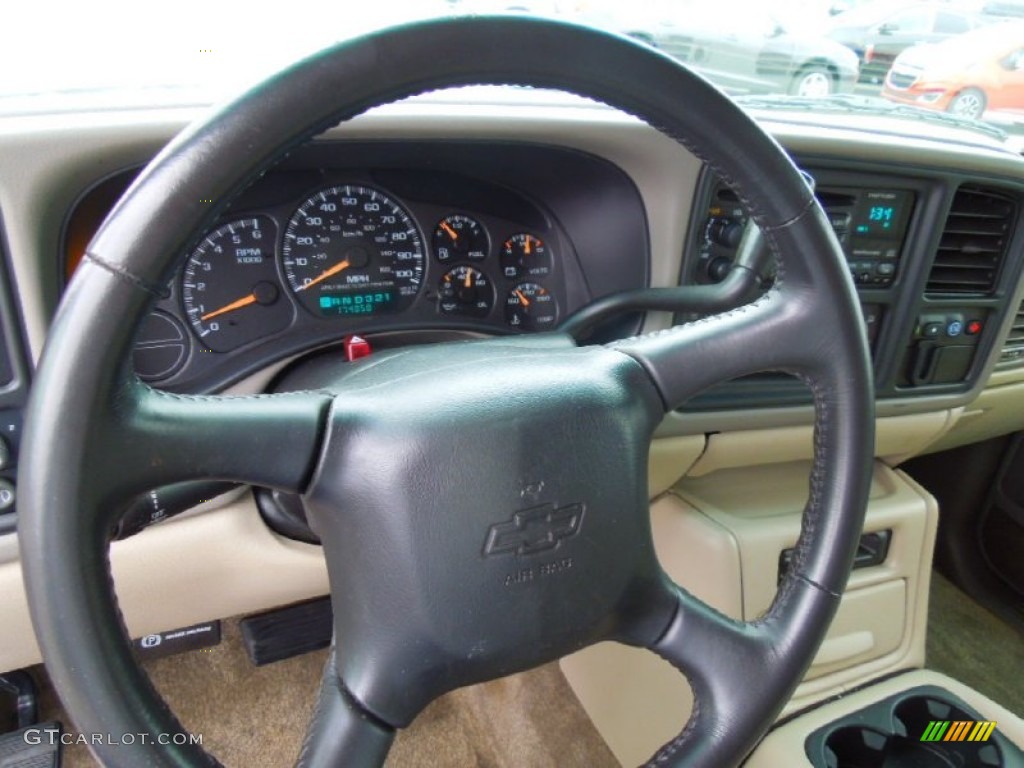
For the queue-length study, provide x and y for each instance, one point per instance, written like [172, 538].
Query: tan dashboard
[224, 551]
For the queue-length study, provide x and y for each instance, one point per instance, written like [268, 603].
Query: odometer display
[357, 303]
[351, 250]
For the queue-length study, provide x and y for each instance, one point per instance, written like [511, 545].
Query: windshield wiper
[848, 103]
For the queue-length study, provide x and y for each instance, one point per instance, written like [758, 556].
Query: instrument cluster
[353, 254]
[394, 243]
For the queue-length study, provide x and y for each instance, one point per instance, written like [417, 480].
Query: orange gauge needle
[469, 279]
[522, 299]
[526, 247]
[245, 301]
[339, 267]
[450, 232]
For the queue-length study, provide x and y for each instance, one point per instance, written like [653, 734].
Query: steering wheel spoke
[684, 360]
[727, 662]
[794, 327]
[163, 438]
[341, 731]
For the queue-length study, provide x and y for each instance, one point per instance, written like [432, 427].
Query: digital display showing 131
[881, 214]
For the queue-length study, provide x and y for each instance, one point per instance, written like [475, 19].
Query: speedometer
[352, 250]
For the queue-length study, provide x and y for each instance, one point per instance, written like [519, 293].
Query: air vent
[1013, 349]
[973, 244]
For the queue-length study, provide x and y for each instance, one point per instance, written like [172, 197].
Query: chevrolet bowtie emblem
[537, 529]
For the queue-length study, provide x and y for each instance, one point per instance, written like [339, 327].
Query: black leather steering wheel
[554, 436]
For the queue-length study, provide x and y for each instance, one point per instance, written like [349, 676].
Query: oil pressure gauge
[465, 291]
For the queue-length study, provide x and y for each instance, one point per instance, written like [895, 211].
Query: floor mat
[257, 716]
[967, 642]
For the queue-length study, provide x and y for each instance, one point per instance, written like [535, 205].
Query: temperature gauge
[465, 291]
[525, 256]
[531, 307]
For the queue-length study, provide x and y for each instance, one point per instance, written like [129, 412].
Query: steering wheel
[554, 436]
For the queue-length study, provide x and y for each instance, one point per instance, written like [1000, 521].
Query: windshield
[936, 58]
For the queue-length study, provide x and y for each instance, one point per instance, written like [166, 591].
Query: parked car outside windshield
[762, 48]
[878, 32]
[966, 75]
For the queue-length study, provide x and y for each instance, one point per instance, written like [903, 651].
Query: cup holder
[892, 733]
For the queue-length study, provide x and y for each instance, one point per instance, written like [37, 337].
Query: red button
[974, 327]
[356, 347]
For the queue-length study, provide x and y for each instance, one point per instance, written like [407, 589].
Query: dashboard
[372, 245]
[561, 200]
[352, 248]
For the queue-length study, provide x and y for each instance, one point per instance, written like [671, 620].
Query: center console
[725, 536]
[931, 260]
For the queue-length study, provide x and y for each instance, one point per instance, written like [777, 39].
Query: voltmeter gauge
[531, 307]
[459, 237]
[525, 255]
[465, 291]
[230, 287]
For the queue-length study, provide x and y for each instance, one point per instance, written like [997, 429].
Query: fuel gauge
[460, 237]
[531, 307]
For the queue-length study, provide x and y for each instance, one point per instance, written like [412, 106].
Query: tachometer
[230, 287]
[352, 250]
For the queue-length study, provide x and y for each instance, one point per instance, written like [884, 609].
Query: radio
[870, 224]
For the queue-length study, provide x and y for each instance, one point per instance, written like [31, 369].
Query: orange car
[965, 75]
